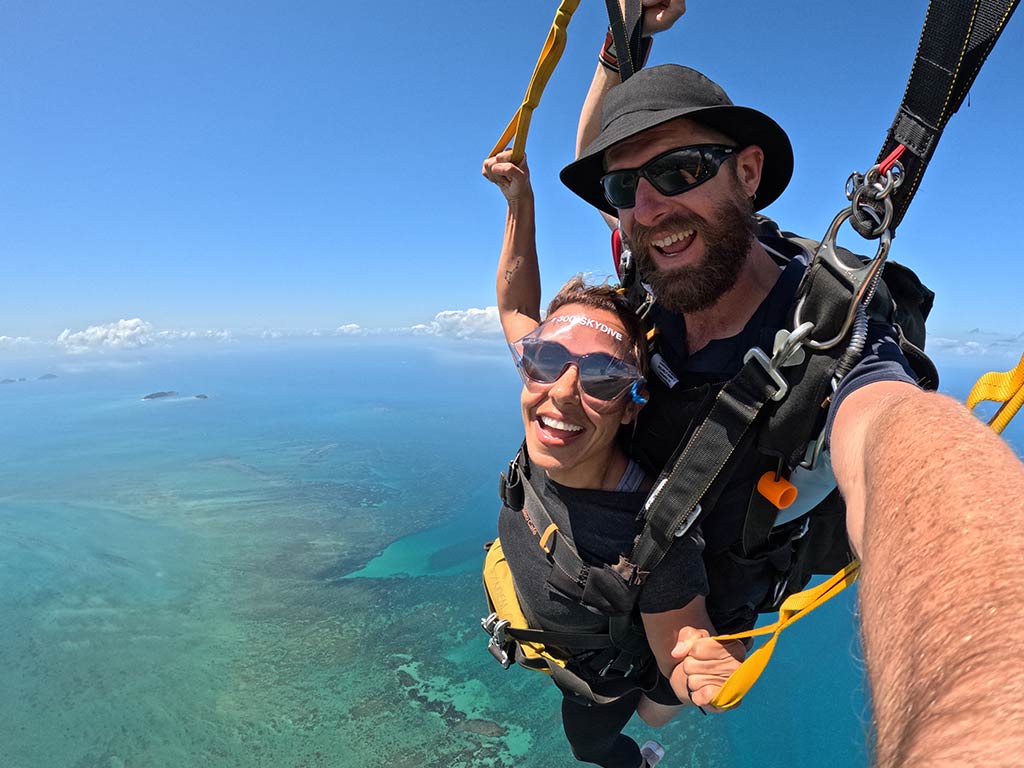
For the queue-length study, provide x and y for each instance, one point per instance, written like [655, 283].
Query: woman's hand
[704, 666]
[513, 180]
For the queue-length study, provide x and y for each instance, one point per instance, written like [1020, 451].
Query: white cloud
[461, 324]
[13, 342]
[351, 329]
[993, 347]
[124, 334]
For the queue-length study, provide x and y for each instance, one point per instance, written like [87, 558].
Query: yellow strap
[793, 608]
[519, 125]
[1006, 388]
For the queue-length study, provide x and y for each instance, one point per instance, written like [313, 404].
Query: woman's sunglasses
[602, 376]
[671, 173]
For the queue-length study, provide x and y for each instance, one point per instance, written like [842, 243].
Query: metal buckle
[786, 351]
[499, 644]
[780, 381]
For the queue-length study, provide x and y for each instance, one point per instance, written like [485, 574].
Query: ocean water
[286, 573]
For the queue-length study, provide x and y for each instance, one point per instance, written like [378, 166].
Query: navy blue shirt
[731, 581]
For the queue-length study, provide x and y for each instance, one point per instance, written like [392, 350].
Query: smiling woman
[575, 492]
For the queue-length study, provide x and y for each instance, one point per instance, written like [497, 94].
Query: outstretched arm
[935, 506]
[518, 280]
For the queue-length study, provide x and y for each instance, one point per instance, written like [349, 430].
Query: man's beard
[727, 239]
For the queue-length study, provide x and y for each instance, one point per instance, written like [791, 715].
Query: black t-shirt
[602, 525]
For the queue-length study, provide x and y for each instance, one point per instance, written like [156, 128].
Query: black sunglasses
[671, 173]
[602, 376]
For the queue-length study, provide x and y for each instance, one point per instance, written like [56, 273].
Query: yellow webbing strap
[519, 125]
[1006, 388]
[501, 593]
[793, 608]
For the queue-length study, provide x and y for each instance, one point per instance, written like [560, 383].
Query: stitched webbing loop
[519, 125]
[794, 608]
[1006, 388]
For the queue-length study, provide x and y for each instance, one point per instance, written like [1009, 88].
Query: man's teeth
[674, 238]
[547, 421]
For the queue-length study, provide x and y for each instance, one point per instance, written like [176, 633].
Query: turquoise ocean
[286, 572]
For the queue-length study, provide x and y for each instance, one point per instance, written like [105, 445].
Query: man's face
[690, 247]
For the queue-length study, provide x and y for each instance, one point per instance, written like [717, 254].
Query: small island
[158, 395]
[202, 397]
[47, 376]
[7, 381]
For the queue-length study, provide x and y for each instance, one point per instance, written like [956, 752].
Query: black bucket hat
[656, 95]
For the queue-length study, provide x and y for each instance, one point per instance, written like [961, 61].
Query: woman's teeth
[547, 421]
[674, 238]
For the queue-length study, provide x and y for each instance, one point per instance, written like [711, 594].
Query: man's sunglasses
[671, 173]
[602, 376]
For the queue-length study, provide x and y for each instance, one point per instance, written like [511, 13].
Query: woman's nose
[567, 385]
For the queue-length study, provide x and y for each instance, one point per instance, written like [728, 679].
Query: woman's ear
[633, 408]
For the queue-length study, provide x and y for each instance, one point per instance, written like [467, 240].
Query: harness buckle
[756, 353]
[500, 643]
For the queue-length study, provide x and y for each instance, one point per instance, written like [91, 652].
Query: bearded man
[933, 500]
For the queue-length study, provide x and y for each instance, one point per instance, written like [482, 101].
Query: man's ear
[749, 164]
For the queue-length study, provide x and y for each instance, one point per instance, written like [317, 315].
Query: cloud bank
[124, 334]
[470, 323]
[136, 333]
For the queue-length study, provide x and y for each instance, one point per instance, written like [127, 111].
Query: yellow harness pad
[501, 595]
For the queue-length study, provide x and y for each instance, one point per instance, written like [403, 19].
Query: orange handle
[779, 492]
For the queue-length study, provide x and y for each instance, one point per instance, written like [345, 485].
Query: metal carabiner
[861, 280]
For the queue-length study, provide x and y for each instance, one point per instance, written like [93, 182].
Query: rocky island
[158, 395]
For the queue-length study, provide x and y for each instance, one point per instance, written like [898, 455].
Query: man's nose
[650, 205]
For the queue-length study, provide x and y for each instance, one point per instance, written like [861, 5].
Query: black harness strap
[626, 32]
[675, 503]
[957, 38]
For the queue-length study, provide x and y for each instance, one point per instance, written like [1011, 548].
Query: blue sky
[291, 167]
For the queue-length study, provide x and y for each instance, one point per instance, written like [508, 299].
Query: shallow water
[287, 574]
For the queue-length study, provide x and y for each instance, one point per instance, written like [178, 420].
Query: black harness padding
[623, 650]
[626, 32]
[955, 41]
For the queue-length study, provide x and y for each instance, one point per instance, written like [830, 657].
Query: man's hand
[513, 180]
[706, 665]
[660, 15]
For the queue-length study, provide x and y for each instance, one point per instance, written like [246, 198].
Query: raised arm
[935, 506]
[518, 280]
[659, 15]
